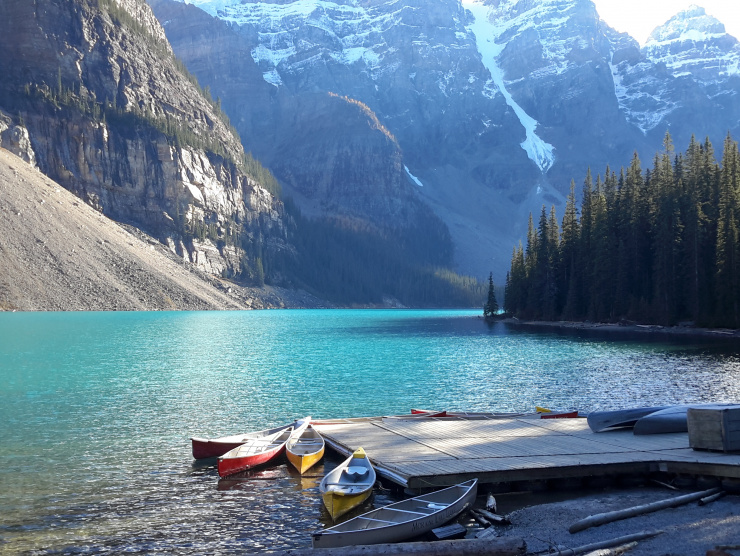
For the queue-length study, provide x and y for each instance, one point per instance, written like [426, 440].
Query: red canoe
[563, 415]
[215, 447]
[258, 451]
[427, 413]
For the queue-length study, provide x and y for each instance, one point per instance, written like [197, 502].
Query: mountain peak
[692, 24]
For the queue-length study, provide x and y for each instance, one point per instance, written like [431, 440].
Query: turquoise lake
[97, 409]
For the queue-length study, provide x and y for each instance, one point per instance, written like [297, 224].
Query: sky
[640, 17]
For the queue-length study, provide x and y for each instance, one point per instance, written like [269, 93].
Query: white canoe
[401, 520]
[600, 421]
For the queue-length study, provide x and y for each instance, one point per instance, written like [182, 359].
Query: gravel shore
[688, 530]
[59, 254]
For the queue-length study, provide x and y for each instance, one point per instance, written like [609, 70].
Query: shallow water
[97, 409]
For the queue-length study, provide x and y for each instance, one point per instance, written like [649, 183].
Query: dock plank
[440, 452]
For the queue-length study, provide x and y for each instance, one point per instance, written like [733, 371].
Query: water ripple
[98, 409]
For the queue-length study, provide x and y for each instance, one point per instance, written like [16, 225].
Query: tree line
[351, 264]
[659, 246]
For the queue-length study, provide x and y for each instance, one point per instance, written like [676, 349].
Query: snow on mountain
[695, 44]
[413, 178]
[485, 32]
[690, 24]
[553, 29]
[686, 63]
[302, 33]
[641, 87]
[642, 95]
[495, 104]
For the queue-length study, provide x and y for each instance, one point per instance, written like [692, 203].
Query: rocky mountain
[685, 79]
[94, 96]
[61, 254]
[494, 106]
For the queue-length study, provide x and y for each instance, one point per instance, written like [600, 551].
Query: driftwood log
[463, 547]
[708, 499]
[479, 518]
[494, 518]
[619, 541]
[621, 549]
[608, 517]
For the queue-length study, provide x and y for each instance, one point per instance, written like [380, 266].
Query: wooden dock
[441, 451]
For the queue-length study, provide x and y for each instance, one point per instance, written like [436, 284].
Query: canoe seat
[355, 472]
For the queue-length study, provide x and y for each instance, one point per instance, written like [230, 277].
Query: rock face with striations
[330, 152]
[112, 116]
[495, 106]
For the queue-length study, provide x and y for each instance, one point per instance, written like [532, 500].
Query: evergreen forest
[655, 246]
[353, 265]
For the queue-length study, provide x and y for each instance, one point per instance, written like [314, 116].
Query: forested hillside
[660, 245]
[348, 263]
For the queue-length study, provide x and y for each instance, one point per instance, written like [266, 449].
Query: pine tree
[570, 275]
[530, 297]
[667, 236]
[599, 268]
[491, 306]
[551, 305]
[515, 294]
[728, 238]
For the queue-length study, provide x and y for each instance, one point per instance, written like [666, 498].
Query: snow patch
[272, 77]
[539, 151]
[692, 35]
[416, 180]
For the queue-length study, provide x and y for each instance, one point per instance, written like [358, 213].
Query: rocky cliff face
[329, 151]
[495, 106]
[112, 117]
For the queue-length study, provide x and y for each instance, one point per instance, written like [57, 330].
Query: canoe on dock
[559, 415]
[427, 413]
[215, 447]
[600, 421]
[258, 451]
[670, 419]
[401, 520]
[306, 449]
[348, 485]
[470, 415]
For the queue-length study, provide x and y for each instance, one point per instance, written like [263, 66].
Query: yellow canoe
[305, 450]
[348, 485]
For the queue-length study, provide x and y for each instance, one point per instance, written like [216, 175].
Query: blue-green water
[96, 409]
